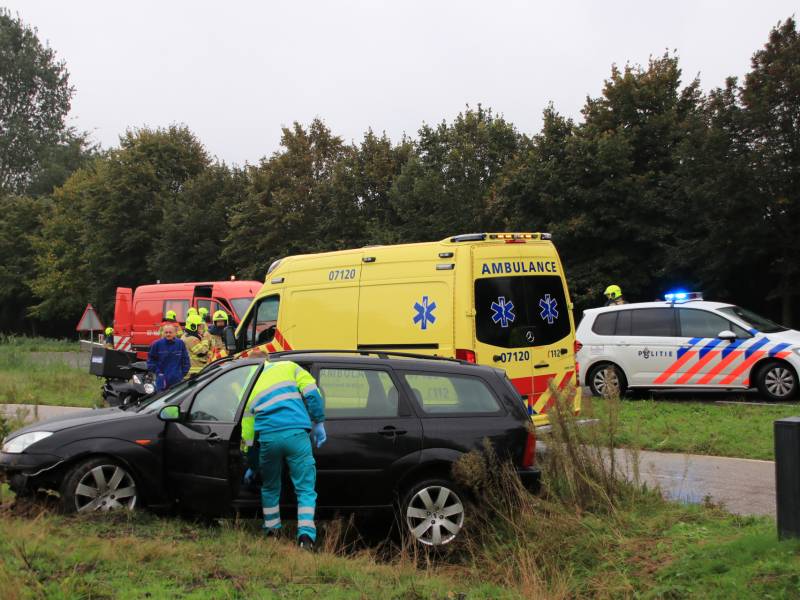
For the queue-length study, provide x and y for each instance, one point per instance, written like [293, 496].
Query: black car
[395, 426]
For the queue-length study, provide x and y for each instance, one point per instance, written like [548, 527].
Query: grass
[29, 379]
[697, 427]
[37, 344]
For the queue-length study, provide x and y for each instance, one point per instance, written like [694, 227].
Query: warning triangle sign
[89, 321]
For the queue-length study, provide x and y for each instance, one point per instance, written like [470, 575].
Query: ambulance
[497, 299]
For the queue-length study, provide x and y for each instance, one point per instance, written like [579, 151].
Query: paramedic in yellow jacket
[197, 345]
[286, 412]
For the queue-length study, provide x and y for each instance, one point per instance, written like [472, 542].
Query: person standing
[284, 407]
[168, 359]
[613, 295]
[109, 338]
[170, 318]
[196, 344]
[217, 332]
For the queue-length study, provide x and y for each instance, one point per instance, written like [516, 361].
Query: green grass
[27, 379]
[37, 344]
[697, 427]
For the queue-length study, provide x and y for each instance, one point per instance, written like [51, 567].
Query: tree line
[658, 185]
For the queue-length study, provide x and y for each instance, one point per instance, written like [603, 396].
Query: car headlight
[137, 379]
[21, 442]
[149, 388]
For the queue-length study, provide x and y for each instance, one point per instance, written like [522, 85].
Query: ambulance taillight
[466, 355]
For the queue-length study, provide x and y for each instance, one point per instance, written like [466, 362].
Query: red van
[138, 314]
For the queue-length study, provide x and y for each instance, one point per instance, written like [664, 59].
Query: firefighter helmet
[171, 316]
[220, 315]
[109, 331]
[192, 321]
[613, 292]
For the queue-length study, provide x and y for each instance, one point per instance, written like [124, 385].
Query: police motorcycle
[127, 381]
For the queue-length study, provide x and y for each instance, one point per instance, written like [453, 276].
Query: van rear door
[123, 318]
[522, 319]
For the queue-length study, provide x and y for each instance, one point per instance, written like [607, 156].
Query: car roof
[707, 304]
[399, 361]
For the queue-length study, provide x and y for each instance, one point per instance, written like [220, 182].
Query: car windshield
[752, 319]
[175, 392]
[240, 305]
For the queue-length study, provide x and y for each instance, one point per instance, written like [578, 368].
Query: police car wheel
[605, 377]
[777, 381]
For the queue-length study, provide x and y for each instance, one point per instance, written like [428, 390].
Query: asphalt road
[742, 486]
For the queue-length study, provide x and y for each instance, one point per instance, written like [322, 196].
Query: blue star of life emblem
[503, 312]
[424, 312]
[549, 308]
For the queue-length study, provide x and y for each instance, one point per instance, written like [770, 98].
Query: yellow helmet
[170, 314]
[192, 321]
[109, 331]
[220, 315]
[203, 311]
[613, 292]
[192, 311]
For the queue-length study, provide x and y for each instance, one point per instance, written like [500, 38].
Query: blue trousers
[293, 446]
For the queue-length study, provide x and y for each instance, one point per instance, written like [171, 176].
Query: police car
[686, 342]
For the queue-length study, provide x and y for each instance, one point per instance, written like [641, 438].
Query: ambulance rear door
[406, 302]
[522, 319]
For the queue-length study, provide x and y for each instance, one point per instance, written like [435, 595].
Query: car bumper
[531, 478]
[20, 469]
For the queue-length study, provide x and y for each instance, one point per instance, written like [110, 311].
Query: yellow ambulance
[498, 299]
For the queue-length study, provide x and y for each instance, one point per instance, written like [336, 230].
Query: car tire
[98, 484]
[432, 512]
[777, 381]
[597, 379]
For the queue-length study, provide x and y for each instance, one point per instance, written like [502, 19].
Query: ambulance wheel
[777, 381]
[601, 381]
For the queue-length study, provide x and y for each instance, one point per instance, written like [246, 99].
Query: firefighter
[217, 330]
[168, 359]
[109, 338]
[613, 295]
[203, 312]
[196, 344]
[286, 411]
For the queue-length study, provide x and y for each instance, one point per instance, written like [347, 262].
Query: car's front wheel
[433, 511]
[98, 484]
[777, 381]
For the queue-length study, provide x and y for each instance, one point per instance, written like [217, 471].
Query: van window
[352, 393]
[701, 323]
[262, 321]
[451, 394]
[179, 306]
[211, 306]
[514, 312]
[240, 305]
[653, 322]
[605, 323]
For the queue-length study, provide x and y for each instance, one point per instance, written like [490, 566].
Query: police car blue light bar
[681, 296]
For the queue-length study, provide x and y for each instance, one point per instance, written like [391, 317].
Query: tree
[770, 98]
[35, 98]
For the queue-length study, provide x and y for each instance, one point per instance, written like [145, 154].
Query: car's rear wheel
[606, 379]
[98, 484]
[777, 381]
[433, 511]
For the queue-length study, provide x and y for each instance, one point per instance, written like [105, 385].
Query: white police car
[687, 343]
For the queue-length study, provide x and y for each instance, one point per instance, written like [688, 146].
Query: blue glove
[318, 434]
[249, 477]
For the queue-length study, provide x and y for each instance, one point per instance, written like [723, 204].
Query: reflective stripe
[305, 510]
[273, 391]
[272, 522]
[276, 399]
[281, 384]
[271, 509]
[311, 387]
[306, 523]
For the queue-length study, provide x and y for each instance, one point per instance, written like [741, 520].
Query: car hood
[75, 420]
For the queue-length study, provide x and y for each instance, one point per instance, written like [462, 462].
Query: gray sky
[235, 72]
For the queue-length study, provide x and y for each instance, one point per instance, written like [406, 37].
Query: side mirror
[726, 335]
[170, 413]
[229, 335]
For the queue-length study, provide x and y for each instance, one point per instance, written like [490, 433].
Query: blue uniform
[284, 402]
[170, 358]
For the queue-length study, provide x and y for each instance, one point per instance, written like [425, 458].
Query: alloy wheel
[105, 487]
[779, 381]
[435, 515]
[604, 383]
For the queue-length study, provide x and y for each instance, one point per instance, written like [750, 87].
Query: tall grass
[23, 343]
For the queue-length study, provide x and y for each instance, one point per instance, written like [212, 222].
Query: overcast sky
[235, 72]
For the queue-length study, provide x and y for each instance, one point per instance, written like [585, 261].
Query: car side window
[605, 323]
[659, 322]
[451, 394]
[352, 393]
[701, 323]
[220, 399]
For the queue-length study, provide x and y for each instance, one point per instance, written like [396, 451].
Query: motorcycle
[124, 392]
